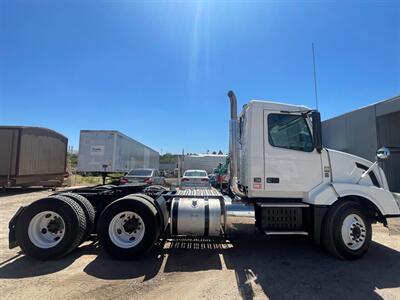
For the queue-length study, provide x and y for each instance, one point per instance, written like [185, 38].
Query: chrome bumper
[393, 223]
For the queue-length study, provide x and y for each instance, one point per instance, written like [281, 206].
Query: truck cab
[299, 187]
[276, 151]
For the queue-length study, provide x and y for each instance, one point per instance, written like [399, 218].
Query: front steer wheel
[347, 231]
[128, 227]
[50, 228]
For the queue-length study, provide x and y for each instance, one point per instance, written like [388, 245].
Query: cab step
[299, 232]
[283, 205]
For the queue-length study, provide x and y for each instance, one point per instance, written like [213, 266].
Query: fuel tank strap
[206, 217]
[175, 218]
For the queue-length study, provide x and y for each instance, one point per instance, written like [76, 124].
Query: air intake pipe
[234, 146]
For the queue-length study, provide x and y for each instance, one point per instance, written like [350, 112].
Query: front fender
[383, 199]
[329, 193]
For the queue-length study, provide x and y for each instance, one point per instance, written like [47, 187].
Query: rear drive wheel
[89, 211]
[50, 228]
[128, 227]
[347, 231]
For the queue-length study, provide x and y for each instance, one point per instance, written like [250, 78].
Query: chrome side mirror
[383, 153]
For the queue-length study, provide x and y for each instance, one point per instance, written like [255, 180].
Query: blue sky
[159, 71]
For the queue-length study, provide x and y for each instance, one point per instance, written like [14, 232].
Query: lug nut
[119, 231]
[44, 230]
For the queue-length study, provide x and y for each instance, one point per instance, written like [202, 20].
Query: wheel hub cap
[126, 229]
[46, 229]
[353, 232]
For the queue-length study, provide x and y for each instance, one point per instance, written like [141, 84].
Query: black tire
[89, 211]
[141, 207]
[75, 225]
[160, 219]
[332, 239]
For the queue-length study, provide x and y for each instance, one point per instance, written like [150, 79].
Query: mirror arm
[367, 172]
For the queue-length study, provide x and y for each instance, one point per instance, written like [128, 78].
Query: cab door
[292, 164]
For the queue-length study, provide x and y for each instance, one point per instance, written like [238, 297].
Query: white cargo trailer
[207, 162]
[109, 151]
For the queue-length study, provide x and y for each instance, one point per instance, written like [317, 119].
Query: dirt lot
[259, 268]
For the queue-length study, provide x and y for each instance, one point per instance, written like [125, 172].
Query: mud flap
[12, 238]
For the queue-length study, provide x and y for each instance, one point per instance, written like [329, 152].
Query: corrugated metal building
[363, 131]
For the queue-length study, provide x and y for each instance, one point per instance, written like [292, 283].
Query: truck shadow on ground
[21, 266]
[279, 267]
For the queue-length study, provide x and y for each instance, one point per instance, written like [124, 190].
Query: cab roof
[277, 106]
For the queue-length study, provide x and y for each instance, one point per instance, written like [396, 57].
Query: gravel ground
[253, 268]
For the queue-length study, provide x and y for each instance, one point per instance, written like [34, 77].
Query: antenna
[315, 77]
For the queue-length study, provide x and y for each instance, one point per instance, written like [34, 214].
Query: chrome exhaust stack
[234, 146]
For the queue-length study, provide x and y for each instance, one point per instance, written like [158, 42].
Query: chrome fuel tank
[196, 216]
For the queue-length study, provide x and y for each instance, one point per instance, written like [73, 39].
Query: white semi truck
[282, 181]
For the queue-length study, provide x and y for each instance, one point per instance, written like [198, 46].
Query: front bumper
[393, 223]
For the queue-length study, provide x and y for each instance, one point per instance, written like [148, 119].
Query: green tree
[168, 158]
[72, 159]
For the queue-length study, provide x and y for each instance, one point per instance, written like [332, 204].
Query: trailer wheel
[50, 228]
[347, 231]
[89, 211]
[128, 227]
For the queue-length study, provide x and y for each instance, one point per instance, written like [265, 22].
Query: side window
[290, 132]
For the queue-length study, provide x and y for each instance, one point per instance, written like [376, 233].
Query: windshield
[140, 173]
[195, 174]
